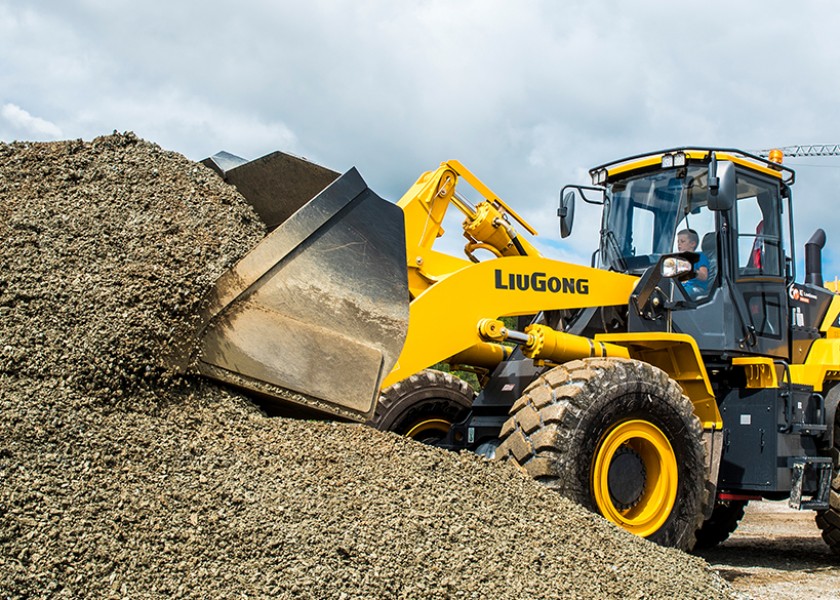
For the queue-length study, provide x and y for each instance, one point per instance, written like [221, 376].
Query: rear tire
[829, 520]
[723, 522]
[424, 406]
[619, 437]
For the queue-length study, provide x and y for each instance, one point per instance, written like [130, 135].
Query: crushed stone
[121, 479]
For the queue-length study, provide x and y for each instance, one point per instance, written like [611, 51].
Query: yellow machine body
[346, 309]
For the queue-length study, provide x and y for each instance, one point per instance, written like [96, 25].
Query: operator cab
[662, 204]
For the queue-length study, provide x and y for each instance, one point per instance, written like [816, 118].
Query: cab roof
[689, 155]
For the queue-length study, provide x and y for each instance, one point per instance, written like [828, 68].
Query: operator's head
[687, 240]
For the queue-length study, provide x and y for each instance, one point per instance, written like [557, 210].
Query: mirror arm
[714, 182]
[581, 188]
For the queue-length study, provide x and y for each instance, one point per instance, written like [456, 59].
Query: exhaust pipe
[813, 258]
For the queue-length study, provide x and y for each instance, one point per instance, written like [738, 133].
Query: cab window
[759, 228]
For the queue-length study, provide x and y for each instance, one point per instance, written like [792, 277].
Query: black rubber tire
[723, 522]
[829, 520]
[559, 429]
[423, 406]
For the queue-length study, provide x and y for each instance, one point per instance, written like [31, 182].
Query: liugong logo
[540, 282]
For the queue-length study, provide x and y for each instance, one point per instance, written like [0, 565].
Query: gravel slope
[118, 479]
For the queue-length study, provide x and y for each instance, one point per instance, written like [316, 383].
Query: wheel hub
[626, 478]
[635, 477]
[429, 431]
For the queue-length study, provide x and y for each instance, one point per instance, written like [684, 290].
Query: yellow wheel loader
[679, 376]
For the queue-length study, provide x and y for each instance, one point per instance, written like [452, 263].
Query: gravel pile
[120, 480]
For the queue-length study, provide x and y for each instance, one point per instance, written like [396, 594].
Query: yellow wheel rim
[659, 493]
[439, 425]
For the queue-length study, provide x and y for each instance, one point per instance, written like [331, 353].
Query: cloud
[191, 125]
[526, 95]
[19, 124]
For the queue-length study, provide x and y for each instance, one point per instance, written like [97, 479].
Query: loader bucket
[316, 314]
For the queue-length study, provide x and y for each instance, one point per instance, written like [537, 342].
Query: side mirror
[722, 188]
[566, 212]
[680, 266]
[648, 296]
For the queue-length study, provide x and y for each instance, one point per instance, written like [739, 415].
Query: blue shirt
[695, 286]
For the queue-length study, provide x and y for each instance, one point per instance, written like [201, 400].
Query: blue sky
[529, 95]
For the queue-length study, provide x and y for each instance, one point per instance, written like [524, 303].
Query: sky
[529, 95]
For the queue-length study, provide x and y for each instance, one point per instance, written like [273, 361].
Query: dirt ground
[777, 552]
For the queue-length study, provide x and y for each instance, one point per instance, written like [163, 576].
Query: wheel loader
[681, 374]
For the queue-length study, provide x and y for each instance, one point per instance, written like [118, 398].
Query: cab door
[757, 267]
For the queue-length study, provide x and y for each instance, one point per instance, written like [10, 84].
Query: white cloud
[19, 124]
[193, 126]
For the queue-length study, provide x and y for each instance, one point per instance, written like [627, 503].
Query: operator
[687, 240]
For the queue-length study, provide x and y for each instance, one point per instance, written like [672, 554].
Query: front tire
[619, 437]
[424, 406]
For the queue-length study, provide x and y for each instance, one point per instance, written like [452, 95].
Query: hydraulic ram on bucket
[316, 314]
